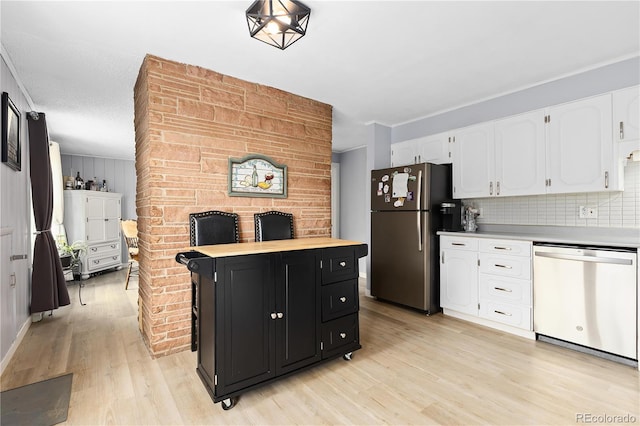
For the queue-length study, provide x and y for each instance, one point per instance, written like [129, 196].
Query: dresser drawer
[508, 247]
[102, 248]
[340, 335]
[98, 263]
[339, 299]
[506, 266]
[458, 243]
[339, 264]
[516, 316]
[505, 290]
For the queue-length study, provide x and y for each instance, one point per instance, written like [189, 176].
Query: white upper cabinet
[626, 120]
[520, 154]
[473, 161]
[403, 153]
[580, 147]
[434, 149]
[428, 149]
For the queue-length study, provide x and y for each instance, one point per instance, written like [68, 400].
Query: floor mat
[41, 403]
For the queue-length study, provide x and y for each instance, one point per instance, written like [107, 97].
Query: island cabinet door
[244, 307]
[298, 313]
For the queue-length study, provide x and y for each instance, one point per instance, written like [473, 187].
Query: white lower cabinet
[487, 279]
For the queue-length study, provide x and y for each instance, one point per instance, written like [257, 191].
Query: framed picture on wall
[10, 133]
[257, 176]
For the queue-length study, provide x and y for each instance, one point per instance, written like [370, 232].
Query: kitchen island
[266, 310]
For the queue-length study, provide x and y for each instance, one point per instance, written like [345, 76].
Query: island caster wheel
[229, 403]
[347, 356]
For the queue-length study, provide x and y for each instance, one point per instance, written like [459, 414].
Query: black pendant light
[279, 23]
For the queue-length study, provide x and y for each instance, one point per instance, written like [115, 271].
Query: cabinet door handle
[606, 179]
[497, 188]
[273, 315]
[490, 188]
[280, 315]
[621, 130]
[507, 314]
[343, 299]
[458, 244]
[343, 335]
[501, 248]
[502, 266]
[343, 264]
[507, 290]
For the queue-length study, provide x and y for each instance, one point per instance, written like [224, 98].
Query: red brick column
[189, 121]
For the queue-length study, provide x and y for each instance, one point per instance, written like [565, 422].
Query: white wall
[15, 227]
[353, 204]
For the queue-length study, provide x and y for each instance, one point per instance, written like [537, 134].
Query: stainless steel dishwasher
[587, 296]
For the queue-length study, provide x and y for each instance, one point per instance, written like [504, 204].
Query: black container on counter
[450, 215]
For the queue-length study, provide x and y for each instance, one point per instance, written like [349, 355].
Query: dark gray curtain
[48, 286]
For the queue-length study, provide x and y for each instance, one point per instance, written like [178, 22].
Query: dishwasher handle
[581, 258]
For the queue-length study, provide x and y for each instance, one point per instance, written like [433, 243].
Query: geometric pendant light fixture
[279, 23]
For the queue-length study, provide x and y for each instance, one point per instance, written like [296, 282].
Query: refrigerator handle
[418, 210]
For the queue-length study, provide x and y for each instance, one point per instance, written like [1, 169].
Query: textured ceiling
[374, 61]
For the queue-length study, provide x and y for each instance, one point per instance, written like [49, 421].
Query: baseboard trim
[15, 344]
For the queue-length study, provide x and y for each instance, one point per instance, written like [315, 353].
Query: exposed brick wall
[189, 121]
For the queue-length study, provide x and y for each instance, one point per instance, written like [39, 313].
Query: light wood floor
[412, 369]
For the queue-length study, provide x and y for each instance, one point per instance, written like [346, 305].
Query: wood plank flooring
[412, 369]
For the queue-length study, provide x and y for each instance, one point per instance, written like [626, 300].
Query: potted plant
[73, 252]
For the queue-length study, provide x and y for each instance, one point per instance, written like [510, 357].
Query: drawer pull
[503, 266]
[113, 246]
[501, 248]
[458, 244]
[343, 299]
[114, 257]
[508, 290]
[507, 314]
[343, 335]
[96, 262]
[343, 264]
[94, 249]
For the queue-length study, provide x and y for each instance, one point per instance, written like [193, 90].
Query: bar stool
[213, 227]
[273, 225]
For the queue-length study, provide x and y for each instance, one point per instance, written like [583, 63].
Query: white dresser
[93, 217]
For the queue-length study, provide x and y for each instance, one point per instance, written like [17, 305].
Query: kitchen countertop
[241, 249]
[617, 237]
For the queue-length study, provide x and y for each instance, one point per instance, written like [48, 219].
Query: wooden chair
[130, 232]
[273, 225]
[213, 227]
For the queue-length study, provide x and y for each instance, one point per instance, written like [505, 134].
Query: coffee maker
[450, 213]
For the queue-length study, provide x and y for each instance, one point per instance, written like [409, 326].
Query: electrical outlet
[585, 212]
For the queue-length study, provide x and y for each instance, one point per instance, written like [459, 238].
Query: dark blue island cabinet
[265, 310]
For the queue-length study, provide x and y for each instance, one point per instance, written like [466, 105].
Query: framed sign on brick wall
[257, 176]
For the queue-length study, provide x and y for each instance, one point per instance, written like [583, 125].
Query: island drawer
[339, 264]
[338, 335]
[339, 299]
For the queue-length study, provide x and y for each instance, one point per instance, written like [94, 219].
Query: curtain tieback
[42, 232]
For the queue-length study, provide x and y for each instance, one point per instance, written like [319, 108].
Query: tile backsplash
[614, 209]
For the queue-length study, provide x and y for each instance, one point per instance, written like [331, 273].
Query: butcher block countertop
[240, 249]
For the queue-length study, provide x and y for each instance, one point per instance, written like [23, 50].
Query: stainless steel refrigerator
[405, 204]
